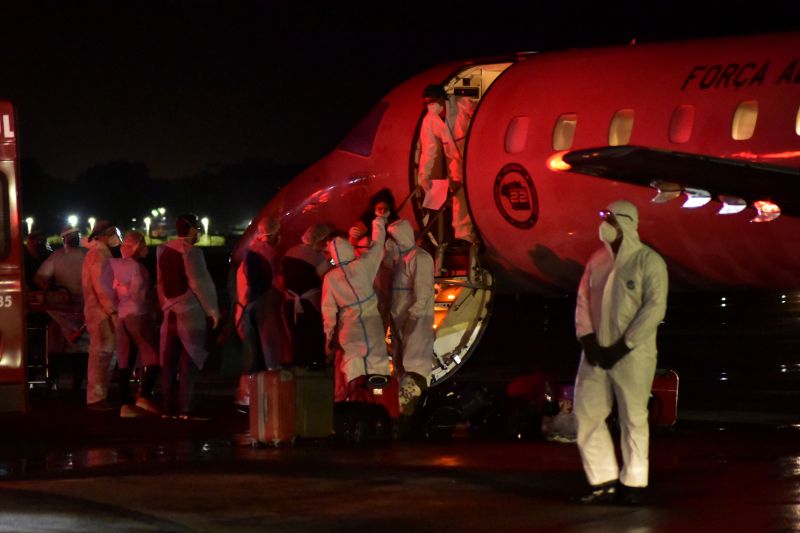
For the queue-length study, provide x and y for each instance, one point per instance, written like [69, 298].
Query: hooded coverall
[350, 308]
[187, 295]
[441, 145]
[412, 302]
[622, 296]
[63, 268]
[135, 324]
[100, 313]
[412, 313]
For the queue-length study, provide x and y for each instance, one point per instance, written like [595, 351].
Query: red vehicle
[13, 396]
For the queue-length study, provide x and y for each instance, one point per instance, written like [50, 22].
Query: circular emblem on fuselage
[515, 196]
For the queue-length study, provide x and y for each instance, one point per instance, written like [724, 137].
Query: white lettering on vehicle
[5, 128]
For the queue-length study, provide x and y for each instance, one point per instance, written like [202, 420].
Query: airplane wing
[731, 177]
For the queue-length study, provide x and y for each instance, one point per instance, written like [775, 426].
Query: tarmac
[63, 468]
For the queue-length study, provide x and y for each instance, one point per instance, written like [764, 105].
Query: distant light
[696, 198]
[731, 205]
[162, 210]
[72, 220]
[29, 222]
[91, 221]
[154, 212]
[767, 211]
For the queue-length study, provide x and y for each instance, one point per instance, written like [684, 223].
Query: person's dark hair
[186, 222]
[434, 91]
[383, 195]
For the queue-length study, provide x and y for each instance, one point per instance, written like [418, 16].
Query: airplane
[557, 136]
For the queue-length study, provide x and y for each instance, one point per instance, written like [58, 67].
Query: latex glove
[591, 349]
[612, 354]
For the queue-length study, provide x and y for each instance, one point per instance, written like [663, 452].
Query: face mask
[608, 233]
[435, 108]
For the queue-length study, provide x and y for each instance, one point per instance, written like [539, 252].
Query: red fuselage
[703, 249]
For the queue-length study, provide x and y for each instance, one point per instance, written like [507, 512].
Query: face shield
[114, 237]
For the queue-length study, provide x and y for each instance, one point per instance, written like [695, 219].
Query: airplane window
[621, 128]
[744, 120]
[681, 124]
[360, 139]
[517, 135]
[564, 132]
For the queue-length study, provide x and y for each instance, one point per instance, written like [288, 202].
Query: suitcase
[663, 404]
[314, 403]
[388, 398]
[272, 407]
[373, 420]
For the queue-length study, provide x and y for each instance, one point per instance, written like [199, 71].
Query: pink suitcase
[272, 407]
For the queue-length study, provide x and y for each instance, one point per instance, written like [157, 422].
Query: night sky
[185, 86]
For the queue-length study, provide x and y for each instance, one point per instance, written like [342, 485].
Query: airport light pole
[147, 221]
[204, 221]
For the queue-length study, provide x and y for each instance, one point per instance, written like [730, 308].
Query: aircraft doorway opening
[464, 289]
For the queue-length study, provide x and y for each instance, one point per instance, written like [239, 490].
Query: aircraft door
[464, 290]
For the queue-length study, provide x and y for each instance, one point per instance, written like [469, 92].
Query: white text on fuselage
[738, 75]
[6, 132]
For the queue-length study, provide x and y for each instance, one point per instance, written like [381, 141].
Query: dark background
[211, 106]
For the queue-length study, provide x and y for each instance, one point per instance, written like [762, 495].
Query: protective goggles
[611, 217]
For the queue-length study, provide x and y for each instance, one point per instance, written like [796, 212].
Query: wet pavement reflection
[67, 470]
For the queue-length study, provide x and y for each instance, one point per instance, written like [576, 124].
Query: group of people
[333, 297]
[121, 310]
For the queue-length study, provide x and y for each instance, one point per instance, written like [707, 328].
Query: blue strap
[359, 302]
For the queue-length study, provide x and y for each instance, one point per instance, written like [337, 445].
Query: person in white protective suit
[136, 325]
[441, 152]
[351, 318]
[622, 299]
[100, 312]
[61, 271]
[187, 296]
[412, 314]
